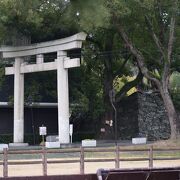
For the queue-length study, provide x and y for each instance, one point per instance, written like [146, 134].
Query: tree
[164, 44]
[146, 27]
[139, 22]
[114, 64]
[35, 21]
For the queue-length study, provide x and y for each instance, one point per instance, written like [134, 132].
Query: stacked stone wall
[152, 118]
[143, 114]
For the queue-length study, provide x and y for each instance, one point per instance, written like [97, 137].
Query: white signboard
[71, 129]
[42, 131]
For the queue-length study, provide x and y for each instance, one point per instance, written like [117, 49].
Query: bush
[28, 138]
[79, 136]
[6, 138]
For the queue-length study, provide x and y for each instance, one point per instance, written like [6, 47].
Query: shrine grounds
[90, 167]
[60, 169]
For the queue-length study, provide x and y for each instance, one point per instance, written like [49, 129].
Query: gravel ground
[73, 168]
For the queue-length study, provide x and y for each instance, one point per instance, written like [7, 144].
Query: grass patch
[130, 154]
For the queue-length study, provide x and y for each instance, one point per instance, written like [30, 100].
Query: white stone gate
[61, 64]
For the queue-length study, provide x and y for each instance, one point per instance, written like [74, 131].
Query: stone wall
[127, 117]
[142, 114]
[152, 118]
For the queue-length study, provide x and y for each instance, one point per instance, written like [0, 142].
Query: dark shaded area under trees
[125, 39]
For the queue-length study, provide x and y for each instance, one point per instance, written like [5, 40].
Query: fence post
[151, 157]
[117, 157]
[5, 162]
[82, 160]
[44, 160]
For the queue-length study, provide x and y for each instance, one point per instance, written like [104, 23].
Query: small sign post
[71, 131]
[43, 132]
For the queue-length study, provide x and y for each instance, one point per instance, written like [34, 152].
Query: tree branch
[128, 86]
[108, 46]
[119, 71]
[92, 40]
[171, 38]
[155, 38]
[167, 64]
[139, 57]
[161, 22]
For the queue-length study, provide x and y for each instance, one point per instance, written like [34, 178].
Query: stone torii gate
[61, 64]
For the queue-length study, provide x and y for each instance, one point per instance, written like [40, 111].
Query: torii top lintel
[72, 42]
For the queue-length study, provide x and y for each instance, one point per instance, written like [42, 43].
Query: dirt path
[73, 168]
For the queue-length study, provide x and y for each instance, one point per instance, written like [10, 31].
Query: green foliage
[86, 92]
[37, 86]
[91, 13]
[120, 82]
[131, 14]
[1, 75]
[29, 138]
[79, 136]
[40, 19]
[33, 90]
[6, 138]
[175, 82]
[52, 19]
[43, 19]
[20, 15]
[175, 88]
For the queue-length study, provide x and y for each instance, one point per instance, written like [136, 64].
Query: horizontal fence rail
[81, 159]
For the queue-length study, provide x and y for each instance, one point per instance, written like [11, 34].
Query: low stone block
[52, 138]
[18, 144]
[139, 140]
[88, 143]
[2, 146]
[52, 144]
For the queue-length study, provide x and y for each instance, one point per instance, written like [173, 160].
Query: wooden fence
[82, 159]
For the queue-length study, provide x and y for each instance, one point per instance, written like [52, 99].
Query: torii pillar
[63, 98]
[18, 102]
[61, 64]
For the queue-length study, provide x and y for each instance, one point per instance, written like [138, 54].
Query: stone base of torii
[62, 63]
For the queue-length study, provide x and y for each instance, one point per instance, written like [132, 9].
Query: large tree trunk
[162, 85]
[171, 112]
[107, 117]
[108, 86]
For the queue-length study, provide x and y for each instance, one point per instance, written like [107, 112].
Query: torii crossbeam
[61, 64]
